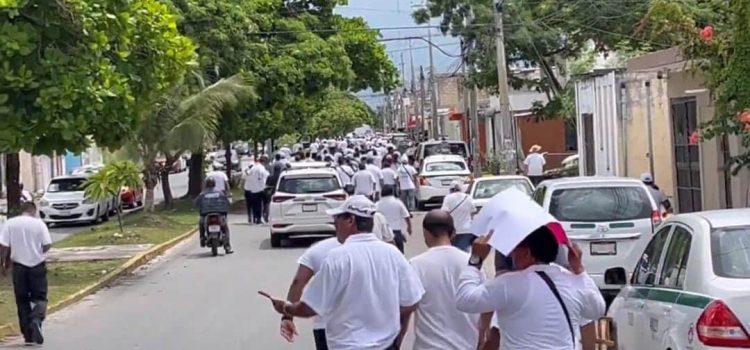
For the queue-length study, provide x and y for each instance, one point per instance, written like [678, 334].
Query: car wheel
[276, 240]
[139, 204]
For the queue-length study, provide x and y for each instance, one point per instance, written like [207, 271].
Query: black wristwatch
[475, 261]
[287, 318]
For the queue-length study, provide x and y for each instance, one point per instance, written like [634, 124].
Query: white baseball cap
[456, 184]
[646, 177]
[357, 205]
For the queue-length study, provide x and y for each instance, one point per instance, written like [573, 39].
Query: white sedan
[691, 287]
[298, 207]
[484, 188]
[435, 177]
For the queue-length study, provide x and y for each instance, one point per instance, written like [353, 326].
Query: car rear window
[457, 148]
[730, 252]
[600, 204]
[66, 185]
[445, 166]
[489, 188]
[303, 185]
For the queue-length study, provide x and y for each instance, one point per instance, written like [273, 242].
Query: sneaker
[229, 251]
[203, 242]
[36, 332]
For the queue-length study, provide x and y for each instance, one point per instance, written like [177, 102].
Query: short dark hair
[28, 207]
[438, 223]
[362, 166]
[388, 190]
[210, 182]
[342, 160]
[277, 156]
[542, 244]
[370, 160]
[364, 224]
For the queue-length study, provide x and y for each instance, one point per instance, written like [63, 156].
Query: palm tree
[181, 122]
[109, 181]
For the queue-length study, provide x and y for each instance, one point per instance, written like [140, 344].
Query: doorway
[588, 143]
[686, 155]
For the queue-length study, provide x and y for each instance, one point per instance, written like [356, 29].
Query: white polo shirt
[460, 206]
[220, 178]
[376, 173]
[25, 235]
[535, 164]
[313, 258]
[394, 211]
[438, 323]
[360, 290]
[528, 314]
[363, 182]
[389, 176]
[255, 180]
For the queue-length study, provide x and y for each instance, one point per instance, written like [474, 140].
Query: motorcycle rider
[213, 201]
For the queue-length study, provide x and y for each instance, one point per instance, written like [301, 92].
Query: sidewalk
[97, 253]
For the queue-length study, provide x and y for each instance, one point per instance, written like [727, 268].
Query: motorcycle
[216, 234]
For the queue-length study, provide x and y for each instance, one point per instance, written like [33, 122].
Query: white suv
[611, 218]
[65, 202]
[298, 207]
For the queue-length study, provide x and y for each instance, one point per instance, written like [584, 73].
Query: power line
[421, 47]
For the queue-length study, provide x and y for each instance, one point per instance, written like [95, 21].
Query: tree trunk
[151, 177]
[228, 156]
[195, 175]
[256, 156]
[12, 181]
[166, 188]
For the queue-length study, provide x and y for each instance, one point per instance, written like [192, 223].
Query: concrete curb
[124, 269]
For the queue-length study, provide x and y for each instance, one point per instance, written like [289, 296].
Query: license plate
[307, 208]
[446, 182]
[65, 212]
[603, 248]
[214, 228]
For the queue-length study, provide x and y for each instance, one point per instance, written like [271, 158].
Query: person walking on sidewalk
[396, 215]
[460, 207]
[438, 323]
[255, 186]
[534, 165]
[24, 242]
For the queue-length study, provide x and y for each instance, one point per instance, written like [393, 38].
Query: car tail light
[279, 199]
[422, 181]
[337, 197]
[718, 326]
[214, 220]
[656, 218]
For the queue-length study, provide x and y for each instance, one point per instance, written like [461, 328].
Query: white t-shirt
[438, 323]
[389, 177]
[460, 206]
[255, 180]
[377, 173]
[25, 235]
[345, 173]
[363, 182]
[381, 229]
[220, 178]
[313, 258]
[394, 211]
[535, 164]
[360, 290]
[405, 176]
[314, 147]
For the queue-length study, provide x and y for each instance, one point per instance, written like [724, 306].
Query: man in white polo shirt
[24, 242]
[363, 287]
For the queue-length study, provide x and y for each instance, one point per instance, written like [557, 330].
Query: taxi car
[690, 289]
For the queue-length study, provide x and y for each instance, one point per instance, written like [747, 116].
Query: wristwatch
[475, 261]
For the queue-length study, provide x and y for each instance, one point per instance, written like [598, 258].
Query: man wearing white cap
[362, 288]
[459, 205]
[534, 165]
[539, 305]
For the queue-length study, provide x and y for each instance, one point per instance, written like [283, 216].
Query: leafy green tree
[339, 112]
[109, 181]
[78, 70]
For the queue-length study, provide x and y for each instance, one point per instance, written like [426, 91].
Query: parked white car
[691, 287]
[484, 188]
[299, 205]
[435, 176]
[611, 218]
[441, 147]
[65, 202]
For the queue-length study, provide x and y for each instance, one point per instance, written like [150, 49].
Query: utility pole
[433, 89]
[422, 97]
[403, 114]
[503, 125]
[413, 93]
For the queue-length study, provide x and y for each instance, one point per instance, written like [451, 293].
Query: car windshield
[489, 188]
[456, 148]
[445, 166]
[600, 204]
[303, 185]
[66, 185]
[730, 252]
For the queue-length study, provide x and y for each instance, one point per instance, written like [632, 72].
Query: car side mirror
[616, 276]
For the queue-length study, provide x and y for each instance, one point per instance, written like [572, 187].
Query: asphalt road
[189, 300]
